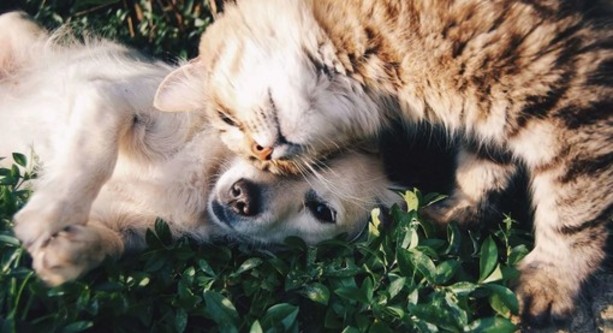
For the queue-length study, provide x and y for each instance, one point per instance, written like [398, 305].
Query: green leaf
[180, 320]
[206, 268]
[438, 311]
[367, 289]
[502, 299]
[395, 311]
[463, 288]
[491, 325]
[454, 238]
[517, 253]
[10, 240]
[78, 326]
[423, 264]
[488, 258]
[350, 329]
[410, 197]
[495, 276]
[281, 316]
[396, 285]
[256, 327]
[20, 159]
[351, 293]
[162, 231]
[221, 311]
[317, 292]
[375, 224]
[404, 262]
[445, 271]
[248, 265]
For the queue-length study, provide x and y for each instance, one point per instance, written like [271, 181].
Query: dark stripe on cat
[541, 9]
[574, 117]
[555, 162]
[565, 35]
[540, 105]
[281, 138]
[604, 217]
[320, 67]
[458, 48]
[603, 75]
[568, 51]
[488, 152]
[587, 165]
[500, 19]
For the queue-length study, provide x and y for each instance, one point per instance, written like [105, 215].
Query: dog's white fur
[111, 163]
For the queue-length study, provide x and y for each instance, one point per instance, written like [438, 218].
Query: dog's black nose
[243, 198]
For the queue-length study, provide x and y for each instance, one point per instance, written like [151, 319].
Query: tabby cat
[527, 83]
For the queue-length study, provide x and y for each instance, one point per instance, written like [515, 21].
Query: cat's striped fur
[528, 82]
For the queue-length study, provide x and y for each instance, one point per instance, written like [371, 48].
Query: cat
[110, 164]
[526, 83]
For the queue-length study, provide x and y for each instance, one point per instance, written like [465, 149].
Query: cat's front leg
[74, 251]
[480, 180]
[570, 239]
[84, 159]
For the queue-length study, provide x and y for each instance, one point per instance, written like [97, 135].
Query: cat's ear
[182, 90]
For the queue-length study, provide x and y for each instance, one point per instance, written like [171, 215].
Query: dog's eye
[226, 119]
[322, 212]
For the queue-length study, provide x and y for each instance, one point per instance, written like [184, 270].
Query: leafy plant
[402, 275]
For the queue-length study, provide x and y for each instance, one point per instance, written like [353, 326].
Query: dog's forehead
[351, 171]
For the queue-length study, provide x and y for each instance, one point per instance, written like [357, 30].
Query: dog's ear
[182, 90]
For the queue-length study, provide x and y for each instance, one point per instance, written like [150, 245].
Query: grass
[403, 275]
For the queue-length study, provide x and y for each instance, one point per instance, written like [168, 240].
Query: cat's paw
[454, 208]
[546, 296]
[68, 254]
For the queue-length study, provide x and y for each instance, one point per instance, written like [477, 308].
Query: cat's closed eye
[226, 119]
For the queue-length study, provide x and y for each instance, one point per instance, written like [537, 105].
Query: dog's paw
[68, 254]
[43, 217]
[545, 295]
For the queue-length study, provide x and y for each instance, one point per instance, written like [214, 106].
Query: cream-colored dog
[111, 163]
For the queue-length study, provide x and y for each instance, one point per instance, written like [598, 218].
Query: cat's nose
[262, 153]
[243, 197]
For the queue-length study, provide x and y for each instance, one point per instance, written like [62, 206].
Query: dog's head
[263, 208]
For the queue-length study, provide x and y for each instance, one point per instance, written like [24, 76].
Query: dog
[110, 163]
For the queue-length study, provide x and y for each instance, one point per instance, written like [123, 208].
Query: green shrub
[400, 276]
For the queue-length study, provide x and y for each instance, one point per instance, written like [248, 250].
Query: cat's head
[272, 85]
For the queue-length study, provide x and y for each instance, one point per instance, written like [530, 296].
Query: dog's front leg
[75, 250]
[85, 156]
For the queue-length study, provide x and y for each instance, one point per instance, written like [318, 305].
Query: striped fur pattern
[526, 82]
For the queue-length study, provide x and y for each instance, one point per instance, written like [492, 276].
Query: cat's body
[528, 83]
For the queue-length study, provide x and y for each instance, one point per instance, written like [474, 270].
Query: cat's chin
[278, 167]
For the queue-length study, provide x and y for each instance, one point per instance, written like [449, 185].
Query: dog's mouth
[220, 216]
